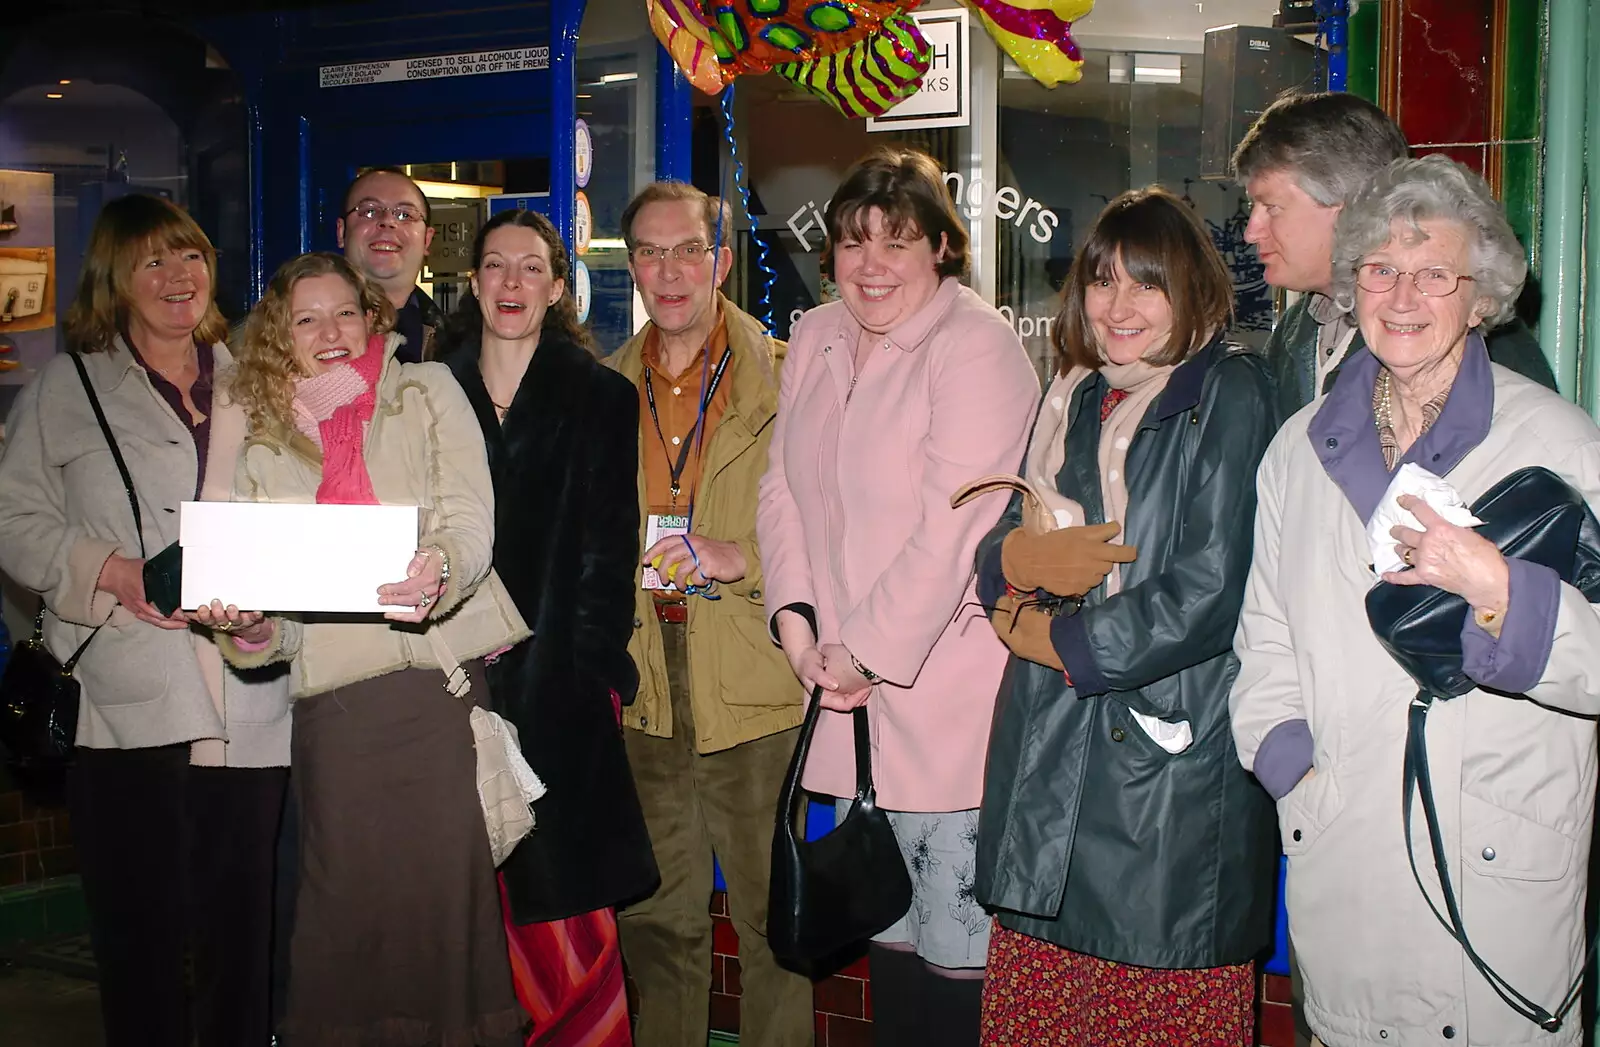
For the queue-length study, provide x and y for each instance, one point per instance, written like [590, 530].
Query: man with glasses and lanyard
[710, 735]
[383, 230]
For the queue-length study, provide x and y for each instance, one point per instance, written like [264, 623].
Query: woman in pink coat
[890, 400]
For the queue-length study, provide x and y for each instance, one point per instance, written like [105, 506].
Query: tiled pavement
[41, 1006]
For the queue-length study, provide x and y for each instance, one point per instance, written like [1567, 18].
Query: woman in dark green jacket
[1128, 857]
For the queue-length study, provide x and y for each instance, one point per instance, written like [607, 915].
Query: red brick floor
[844, 1001]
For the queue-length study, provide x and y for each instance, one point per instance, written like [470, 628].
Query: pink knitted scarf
[333, 410]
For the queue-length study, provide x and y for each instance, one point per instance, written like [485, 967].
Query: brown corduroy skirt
[398, 940]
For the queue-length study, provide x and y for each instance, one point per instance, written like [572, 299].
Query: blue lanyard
[697, 434]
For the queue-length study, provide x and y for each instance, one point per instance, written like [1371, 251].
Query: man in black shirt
[383, 230]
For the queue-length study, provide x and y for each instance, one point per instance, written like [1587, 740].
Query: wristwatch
[866, 674]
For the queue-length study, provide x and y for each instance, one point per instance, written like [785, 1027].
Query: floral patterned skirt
[1041, 995]
[945, 925]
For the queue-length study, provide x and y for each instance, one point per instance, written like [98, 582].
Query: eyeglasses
[691, 253]
[1433, 282]
[401, 213]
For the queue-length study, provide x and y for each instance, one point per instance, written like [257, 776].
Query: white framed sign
[583, 158]
[581, 291]
[582, 223]
[432, 67]
[945, 95]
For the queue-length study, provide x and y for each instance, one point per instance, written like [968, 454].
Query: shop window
[796, 149]
[1059, 155]
[615, 107]
[1132, 121]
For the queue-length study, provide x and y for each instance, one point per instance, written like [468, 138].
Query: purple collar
[1344, 433]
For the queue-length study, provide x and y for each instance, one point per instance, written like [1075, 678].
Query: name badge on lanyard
[667, 525]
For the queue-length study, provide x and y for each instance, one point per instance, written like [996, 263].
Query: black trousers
[178, 860]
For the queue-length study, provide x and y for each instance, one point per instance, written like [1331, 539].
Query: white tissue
[1414, 480]
[1173, 737]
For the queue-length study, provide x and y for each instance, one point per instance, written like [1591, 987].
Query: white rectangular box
[262, 556]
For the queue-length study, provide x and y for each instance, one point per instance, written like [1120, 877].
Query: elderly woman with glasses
[1425, 259]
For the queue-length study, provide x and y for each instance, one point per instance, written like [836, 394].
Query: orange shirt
[678, 405]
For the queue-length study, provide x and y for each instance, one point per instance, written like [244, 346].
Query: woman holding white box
[398, 938]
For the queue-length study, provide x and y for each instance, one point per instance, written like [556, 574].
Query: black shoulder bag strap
[1419, 781]
[116, 452]
[127, 485]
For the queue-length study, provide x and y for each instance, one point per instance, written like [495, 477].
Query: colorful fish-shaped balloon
[682, 30]
[753, 36]
[872, 75]
[724, 39]
[1037, 34]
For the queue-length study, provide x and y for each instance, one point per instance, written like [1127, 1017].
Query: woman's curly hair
[263, 382]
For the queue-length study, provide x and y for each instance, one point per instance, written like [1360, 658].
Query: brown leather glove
[1066, 562]
[1026, 632]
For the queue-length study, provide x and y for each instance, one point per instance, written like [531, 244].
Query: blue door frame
[306, 141]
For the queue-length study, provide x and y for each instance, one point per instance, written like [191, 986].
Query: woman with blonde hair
[398, 938]
[179, 778]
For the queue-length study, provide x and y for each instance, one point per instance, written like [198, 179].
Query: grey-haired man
[1304, 157]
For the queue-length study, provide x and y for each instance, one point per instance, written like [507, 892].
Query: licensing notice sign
[432, 67]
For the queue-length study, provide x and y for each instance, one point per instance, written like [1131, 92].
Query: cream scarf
[1047, 450]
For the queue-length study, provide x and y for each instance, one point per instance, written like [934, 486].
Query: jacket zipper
[848, 393]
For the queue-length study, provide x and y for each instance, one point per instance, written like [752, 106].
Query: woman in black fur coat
[562, 433]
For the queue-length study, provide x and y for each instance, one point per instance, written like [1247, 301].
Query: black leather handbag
[39, 696]
[831, 893]
[1531, 515]
[39, 703]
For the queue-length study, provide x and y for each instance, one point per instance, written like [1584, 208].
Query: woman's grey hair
[1432, 188]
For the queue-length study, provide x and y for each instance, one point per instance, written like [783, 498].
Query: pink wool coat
[855, 520]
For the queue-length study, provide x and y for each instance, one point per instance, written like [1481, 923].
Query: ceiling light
[53, 94]
[64, 83]
[618, 78]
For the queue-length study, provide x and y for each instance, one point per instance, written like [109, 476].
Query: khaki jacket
[424, 448]
[740, 684]
[1514, 777]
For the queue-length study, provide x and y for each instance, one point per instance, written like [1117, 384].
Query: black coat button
[1117, 734]
[1297, 835]
[1449, 1032]
[1332, 443]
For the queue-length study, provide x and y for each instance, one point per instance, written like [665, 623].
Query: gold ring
[223, 627]
[1406, 556]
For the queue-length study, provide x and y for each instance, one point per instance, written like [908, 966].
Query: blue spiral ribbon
[763, 251]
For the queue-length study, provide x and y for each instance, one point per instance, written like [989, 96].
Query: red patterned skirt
[568, 976]
[1040, 995]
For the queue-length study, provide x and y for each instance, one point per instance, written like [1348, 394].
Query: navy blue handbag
[1531, 515]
